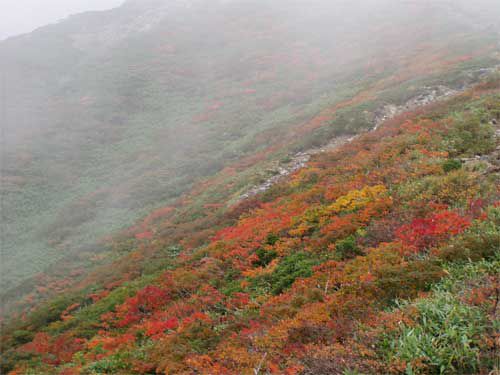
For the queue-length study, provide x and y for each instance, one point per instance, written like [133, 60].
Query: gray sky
[23, 16]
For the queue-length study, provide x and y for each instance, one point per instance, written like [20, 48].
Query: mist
[111, 115]
[249, 186]
[24, 16]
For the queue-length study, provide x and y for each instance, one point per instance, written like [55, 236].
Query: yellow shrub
[357, 199]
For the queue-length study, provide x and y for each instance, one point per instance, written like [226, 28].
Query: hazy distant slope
[380, 256]
[109, 114]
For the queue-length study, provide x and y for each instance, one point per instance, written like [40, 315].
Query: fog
[24, 16]
[108, 116]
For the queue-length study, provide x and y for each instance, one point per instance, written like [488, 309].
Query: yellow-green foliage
[357, 199]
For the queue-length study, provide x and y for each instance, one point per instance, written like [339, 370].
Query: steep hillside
[246, 187]
[110, 115]
[380, 256]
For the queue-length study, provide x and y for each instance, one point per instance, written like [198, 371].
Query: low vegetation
[381, 256]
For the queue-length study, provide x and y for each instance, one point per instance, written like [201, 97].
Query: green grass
[447, 336]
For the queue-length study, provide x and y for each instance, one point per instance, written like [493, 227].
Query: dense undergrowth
[379, 257]
[144, 106]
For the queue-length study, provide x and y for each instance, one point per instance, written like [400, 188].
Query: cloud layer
[23, 16]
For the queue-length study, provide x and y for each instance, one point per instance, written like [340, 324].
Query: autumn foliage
[306, 281]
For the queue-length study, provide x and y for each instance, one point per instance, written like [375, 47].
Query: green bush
[272, 239]
[114, 364]
[471, 135]
[22, 336]
[289, 269]
[265, 257]
[456, 188]
[395, 281]
[480, 241]
[451, 164]
[447, 335]
[347, 248]
[463, 276]
[446, 338]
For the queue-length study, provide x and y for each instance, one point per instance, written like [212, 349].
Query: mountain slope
[238, 187]
[109, 115]
[305, 277]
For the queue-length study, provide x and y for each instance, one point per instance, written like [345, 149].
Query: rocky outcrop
[296, 162]
[428, 95]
